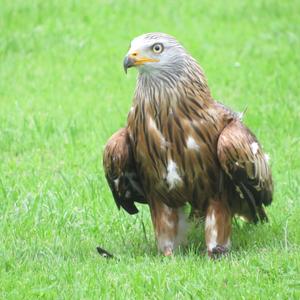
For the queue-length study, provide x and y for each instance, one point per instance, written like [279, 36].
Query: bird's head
[155, 52]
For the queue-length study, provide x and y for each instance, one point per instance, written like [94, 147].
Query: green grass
[63, 92]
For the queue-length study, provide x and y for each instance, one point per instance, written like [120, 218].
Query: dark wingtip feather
[104, 253]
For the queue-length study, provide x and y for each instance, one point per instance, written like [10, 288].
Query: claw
[168, 251]
[218, 252]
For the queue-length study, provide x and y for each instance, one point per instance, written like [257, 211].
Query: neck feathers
[169, 86]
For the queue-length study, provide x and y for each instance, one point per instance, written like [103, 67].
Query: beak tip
[127, 63]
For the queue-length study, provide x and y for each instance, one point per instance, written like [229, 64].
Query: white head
[155, 52]
[163, 64]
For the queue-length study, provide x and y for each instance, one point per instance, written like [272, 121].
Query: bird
[180, 147]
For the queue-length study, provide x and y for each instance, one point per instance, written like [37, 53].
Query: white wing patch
[153, 126]
[172, 177]
[191, 143]
[116, 182]
[254, 147]
[267, 157]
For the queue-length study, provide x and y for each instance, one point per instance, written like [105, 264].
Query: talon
[218, 252]
[168, 251]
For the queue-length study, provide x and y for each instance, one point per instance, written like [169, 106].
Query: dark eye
[158, 48]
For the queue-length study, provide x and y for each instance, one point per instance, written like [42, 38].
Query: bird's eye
[158, 48]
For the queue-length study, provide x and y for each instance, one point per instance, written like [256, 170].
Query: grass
[63, 93]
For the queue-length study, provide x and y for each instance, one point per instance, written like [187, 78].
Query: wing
[242, 159]
[120, 172]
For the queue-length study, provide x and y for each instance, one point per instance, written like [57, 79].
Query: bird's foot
[168, 251]
[218, 252]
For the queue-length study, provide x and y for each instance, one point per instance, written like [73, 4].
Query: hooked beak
[128, 62]
[133, 59]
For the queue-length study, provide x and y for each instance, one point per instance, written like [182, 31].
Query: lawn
[63, 92]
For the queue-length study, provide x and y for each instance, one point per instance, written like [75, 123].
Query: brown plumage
[120, 172]
[180, 146]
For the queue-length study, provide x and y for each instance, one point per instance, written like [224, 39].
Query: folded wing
[243, 160]
[120, 172]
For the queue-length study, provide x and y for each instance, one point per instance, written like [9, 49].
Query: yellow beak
[133, 59]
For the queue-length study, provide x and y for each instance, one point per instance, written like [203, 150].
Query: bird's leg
[169, 226]
[217, 228]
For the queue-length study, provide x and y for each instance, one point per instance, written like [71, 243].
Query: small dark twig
[144, 230]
